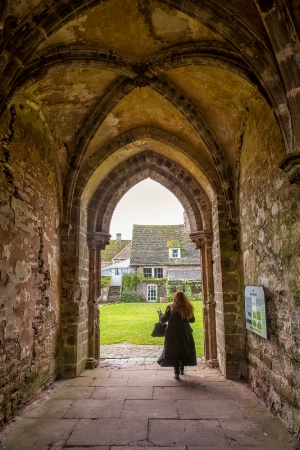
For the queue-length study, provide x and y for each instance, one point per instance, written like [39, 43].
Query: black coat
[179, 346]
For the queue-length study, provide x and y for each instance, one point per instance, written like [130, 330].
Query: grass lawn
[133, 323]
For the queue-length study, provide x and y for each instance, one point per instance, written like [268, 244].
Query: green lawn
[133, 323]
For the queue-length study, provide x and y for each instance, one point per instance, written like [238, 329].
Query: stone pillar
[203, 240]
[96, 242]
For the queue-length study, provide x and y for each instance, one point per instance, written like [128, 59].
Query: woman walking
[179, 346]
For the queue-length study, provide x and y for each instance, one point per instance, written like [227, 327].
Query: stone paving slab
[232, 447]
[95, 409]
[120, 392]
[179, 393]
[209, 409]
[40, 434]
[111, 381]
[73, 392]
[186, 432]
[108, 432]
[221, 391]
[182, 447]
[98, 447]
[135, 409]
[264, 433]
[53, 409]
[118, 405]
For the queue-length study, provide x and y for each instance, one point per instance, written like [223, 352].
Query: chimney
[119, 238]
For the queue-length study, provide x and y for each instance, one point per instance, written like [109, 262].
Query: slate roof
[113, 249]
[150, 246]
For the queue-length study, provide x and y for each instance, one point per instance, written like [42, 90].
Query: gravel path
[126, 350]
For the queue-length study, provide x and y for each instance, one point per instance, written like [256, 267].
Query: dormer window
[174, 253]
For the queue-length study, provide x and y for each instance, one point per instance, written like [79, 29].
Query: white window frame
[171, 253]
[150, 291]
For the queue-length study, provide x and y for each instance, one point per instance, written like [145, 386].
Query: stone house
[115, 261]
[161, 252]
[115, 258]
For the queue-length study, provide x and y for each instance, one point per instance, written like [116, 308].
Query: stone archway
[89, 233]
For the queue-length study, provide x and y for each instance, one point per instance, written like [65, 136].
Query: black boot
[182, 370]
[176, 373]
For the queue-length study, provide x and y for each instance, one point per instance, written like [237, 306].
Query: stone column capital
[291, 166]
[203, 238]
[97, 240]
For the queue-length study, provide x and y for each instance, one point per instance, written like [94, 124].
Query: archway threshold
[131, 351]
[127, 350]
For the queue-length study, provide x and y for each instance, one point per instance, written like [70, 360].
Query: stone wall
[141, 288]
[29, 260]
[228, 296]
[270, 230]
[73, 342]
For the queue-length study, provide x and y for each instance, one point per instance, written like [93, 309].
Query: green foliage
[192, 289]
[132, 297]
[105, 281]
[133, 323]
[129, 281]
[174, 244]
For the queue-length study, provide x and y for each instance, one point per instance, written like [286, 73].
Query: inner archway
[136, 265]
[206, 221]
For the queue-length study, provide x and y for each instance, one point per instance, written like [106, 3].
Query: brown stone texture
[201, 97]
[30, 260]
[270, 252]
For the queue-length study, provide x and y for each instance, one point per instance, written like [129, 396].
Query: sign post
[255, 310]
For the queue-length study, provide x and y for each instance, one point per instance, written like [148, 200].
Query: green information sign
[255, 310]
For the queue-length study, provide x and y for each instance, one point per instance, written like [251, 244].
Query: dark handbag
[159, 329]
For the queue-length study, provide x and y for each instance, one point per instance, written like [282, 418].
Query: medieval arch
[202, 97]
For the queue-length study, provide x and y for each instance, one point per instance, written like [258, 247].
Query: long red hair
[182, 305]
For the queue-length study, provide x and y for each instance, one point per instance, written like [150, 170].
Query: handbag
[159, 329]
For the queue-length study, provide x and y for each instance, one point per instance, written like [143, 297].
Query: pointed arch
[121, 88]
[148, 164]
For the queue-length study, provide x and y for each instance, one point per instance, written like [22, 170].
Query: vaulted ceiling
[114, 78]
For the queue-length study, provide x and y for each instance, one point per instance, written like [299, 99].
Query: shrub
[192, 289]
[132, 297]
[129, 281]
[105, 281]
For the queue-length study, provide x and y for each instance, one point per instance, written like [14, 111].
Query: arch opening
[90, 231]
[147, 203]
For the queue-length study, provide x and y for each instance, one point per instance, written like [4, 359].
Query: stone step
[114, 294]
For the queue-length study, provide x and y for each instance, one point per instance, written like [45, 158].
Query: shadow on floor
[135, 403]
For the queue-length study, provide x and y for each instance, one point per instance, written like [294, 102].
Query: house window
[158, 272]
[151, 293]
[155, 272]
[147, 272]
[174, 253]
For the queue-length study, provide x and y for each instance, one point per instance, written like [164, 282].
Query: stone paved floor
[133, 403]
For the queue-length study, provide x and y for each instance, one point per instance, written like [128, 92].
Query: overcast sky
[147, 203]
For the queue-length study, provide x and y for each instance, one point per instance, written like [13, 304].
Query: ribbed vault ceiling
[180, 71]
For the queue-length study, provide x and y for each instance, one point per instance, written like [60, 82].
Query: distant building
[115, 259]
[163, 252]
